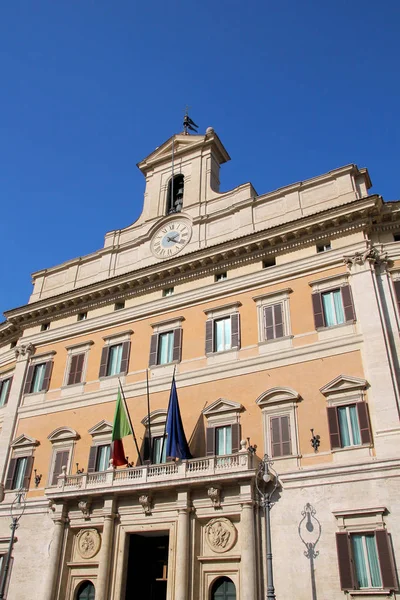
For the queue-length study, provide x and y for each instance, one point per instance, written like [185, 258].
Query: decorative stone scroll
[220, 534]
[88, 542]
[371, 255]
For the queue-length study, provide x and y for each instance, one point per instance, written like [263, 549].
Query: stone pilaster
[55, 551]
[103, 574]
[23, 353]
[248, 555]
[182, 548]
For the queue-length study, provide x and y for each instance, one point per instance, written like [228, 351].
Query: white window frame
[21, 447]
[158, 419]
[113, 339]
[164, 326]
[330, 284]
[35, 360]
[62, 439]
[270, 299]
[3, 377]
[279, 402]
[222, 312]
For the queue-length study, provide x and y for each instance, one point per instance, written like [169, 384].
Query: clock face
[171, 238]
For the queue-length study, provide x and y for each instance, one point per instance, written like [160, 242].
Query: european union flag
[177, 446]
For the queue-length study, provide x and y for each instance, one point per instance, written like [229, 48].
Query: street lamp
[266, 484]
[17, 510]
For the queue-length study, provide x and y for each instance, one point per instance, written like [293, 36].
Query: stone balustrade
[163, 475]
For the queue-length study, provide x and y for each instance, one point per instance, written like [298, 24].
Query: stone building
[280, 314]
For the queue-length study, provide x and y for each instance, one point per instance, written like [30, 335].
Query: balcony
[161, 476]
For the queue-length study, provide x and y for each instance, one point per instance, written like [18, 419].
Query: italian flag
[121, 428]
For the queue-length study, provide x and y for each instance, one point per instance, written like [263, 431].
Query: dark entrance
[223, 589]
[86, 591]
[147, 566]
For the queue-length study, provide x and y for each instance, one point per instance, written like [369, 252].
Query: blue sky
[90, 87]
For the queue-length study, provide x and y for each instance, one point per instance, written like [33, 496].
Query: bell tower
[182, 175]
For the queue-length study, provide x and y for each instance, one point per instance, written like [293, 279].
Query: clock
[171, 238]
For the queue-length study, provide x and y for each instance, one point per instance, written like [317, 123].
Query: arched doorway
[86, 591]
[223, 589]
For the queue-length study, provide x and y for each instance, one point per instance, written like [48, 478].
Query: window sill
[163, 370]
[327, 333]
[111, 381]
[371, 593]
[287, 462]
[34, 397]
[342, 454]
[276, 345]
[73, 390]
[223, 356]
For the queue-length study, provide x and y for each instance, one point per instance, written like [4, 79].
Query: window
[115, 359]
[269, 262]
[279, 413]
[396, 237]
[280, 436]
[61, 460]
[38, 377]
[273, 319]
[5, 387]
[45, 327]
[333, 307]
[222, 334]
[175, 194]
[223, 440]
[103, 457]
[324, 247]
[349, 425]
[19, 473]
[221, 276]
[13, 344]
[119, 305]
[76, 368]
[273, 314]
[158, 447]
[63, 440]
[86, 591]
[166, 342]
[365, 560]
[168, 292]
[223, 589]
[82, 316]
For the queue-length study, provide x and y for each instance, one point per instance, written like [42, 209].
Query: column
[55, 551]
[248, 560]
[103, 573]
[23, 353]
[182, 548]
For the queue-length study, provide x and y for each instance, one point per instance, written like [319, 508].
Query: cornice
[247, 249]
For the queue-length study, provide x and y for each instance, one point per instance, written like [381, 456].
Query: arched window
[175, 194]
[86, 591]
[223, 589]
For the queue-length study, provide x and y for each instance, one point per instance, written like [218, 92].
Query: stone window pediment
[222, 411]
[345, 387]
[63, 434]
[278, 395]
[103, 428]
[24, 441]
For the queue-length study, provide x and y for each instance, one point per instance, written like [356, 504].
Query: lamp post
[266, 484]
[17, 510]
[309, 533]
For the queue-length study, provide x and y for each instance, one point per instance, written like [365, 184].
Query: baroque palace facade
[280, 314]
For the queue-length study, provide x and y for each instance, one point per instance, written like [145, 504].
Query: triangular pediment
[343, 383]
[101, 428]
[222, 405]
[182, 144]
[23, 441]
[62, 434]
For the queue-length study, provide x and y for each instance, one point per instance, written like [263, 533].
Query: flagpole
[172, 178]
[165, 426]
[148, 415]
[130, 422]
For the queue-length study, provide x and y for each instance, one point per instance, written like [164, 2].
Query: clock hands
[172, 238]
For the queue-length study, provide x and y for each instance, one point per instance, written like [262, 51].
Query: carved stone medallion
[88, 543]
[221, 534]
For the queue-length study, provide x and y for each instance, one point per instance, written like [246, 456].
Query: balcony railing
[167, 473]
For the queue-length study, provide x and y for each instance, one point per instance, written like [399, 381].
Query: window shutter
[177, 351]
[363, 419]
[79, 368]
[72, 369]
[60, 462]
[348, 306]
[334, 431]
[153, 350]
[92, 459]
[210, 441]
[47, 375]
[235, 330]
[10, 474]
[236, 431]
[28, 380]
[104, 361]
[386, 559]
[126, 346]
[344, 560]
[396, 285]
[28, 472]
[278, 320]
[319, 318]
[8, 391]
[276, 445]
[285, 436]
[147, 458]
[209, 336]
[269, 323]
